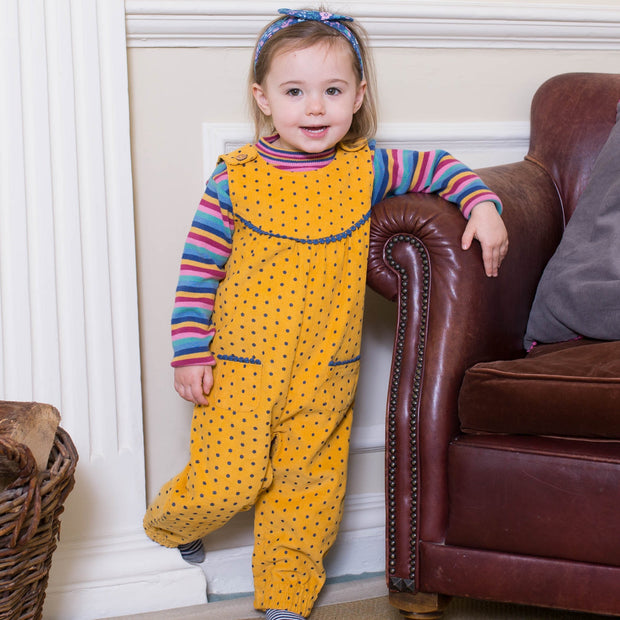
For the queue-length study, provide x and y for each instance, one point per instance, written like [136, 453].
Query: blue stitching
[330, 239]
[234, 358]
[337, 363]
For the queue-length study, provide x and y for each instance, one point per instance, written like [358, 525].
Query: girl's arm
[206, 251]
[401, 171]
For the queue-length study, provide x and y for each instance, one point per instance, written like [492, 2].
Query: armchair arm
[450, 316]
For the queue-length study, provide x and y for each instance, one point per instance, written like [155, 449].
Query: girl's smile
[311, 95]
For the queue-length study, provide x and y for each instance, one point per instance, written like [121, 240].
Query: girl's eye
[332, 90]
[294, 92]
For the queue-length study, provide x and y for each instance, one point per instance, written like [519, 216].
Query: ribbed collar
[291, 159]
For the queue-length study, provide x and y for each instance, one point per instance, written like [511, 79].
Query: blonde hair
[306, 34]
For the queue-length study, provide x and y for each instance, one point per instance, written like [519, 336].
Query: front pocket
[236, 383]
[338, 392]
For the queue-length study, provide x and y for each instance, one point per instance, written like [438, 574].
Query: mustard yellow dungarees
[288, 319]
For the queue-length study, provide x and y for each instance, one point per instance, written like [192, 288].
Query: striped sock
[193, 552]
[281, 614]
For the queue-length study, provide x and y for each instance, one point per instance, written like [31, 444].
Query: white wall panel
[68, 295]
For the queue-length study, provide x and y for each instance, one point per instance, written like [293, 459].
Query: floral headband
[297, 16]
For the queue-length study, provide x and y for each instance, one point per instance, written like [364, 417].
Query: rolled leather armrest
[492, 312]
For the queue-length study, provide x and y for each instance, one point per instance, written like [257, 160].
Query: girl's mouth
[315, 130]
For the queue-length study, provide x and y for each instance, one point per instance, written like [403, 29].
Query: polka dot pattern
[288, 319]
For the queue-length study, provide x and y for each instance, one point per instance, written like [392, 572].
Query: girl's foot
[281, 614]
[193, 552]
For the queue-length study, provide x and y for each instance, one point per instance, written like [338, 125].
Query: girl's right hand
[486, 225]
[193, 383]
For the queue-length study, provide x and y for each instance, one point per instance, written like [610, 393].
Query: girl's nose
[315, 105]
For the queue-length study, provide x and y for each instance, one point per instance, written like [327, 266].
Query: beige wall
[173, 91]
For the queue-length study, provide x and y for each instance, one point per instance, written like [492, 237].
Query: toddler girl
[268, 313]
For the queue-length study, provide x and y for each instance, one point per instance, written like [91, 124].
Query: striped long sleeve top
[209, 241]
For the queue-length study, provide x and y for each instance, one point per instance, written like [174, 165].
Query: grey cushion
[579, 292]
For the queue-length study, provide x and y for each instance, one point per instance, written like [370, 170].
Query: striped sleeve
[206, 251]
[398, 172]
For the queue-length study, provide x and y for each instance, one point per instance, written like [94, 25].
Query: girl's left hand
[486, 225]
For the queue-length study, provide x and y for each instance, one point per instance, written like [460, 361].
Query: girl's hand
[193, 383]
[486, 225]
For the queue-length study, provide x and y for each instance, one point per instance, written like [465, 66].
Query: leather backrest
[572, 115]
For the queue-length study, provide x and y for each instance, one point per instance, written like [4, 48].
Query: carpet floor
[362, 599]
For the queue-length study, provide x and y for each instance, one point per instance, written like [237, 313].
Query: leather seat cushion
[569, 389]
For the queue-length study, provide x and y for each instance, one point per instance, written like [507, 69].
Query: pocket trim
[235, 358]
[345, 362]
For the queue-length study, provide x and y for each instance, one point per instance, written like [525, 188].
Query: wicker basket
[29, 524]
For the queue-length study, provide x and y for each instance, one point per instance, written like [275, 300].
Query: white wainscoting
[390, 23]
[476, 144]
[68, 296]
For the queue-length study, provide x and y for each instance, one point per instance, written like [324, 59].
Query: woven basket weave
[29, 524]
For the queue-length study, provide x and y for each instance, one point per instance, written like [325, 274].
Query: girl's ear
[261, 99]
[359, 96]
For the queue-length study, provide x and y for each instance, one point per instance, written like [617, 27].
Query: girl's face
[311, 95]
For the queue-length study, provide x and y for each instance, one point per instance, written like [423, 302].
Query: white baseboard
[119, 576]
[355, 553]
[359, 549]
[130, 574]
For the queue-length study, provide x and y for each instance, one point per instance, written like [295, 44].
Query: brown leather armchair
[490, 495]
